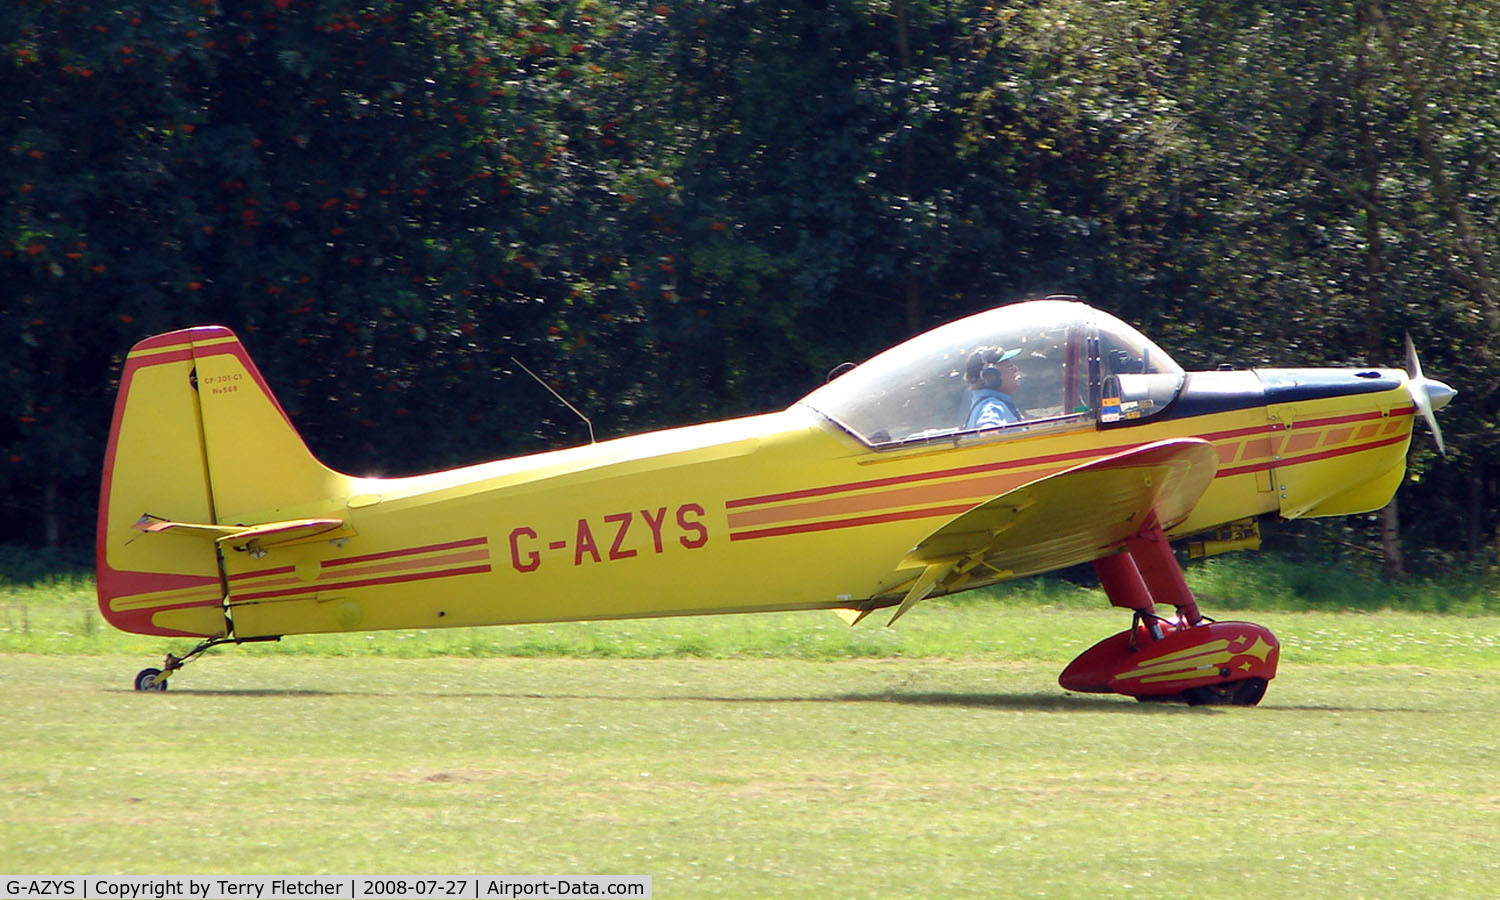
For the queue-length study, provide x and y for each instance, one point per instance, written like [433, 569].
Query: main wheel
[1249, 691]
[1245, 692]
[150, 680]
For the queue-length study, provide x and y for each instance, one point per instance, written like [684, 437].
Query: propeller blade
[1428, 394]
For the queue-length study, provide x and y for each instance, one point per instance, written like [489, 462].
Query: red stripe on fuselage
[855, 522]
[392, 554]
[368, 582]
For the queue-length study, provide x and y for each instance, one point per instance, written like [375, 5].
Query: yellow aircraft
[1023, 439]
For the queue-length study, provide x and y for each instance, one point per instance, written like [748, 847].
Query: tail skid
[198, 446]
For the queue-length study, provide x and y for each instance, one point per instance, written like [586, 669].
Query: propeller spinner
[1428, 394]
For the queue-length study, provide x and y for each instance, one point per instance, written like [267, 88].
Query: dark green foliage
[684, 210]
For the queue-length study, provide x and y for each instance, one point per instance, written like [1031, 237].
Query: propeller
[1428, 394]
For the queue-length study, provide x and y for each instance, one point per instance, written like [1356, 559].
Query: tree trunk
[1393, 562]
[51, 518]
[1394, 565]
[1478, 493]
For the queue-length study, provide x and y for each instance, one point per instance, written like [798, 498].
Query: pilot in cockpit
[993, 380]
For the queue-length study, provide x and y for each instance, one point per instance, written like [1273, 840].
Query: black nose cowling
[1212, 392]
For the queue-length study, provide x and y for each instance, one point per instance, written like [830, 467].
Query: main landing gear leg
[1186, 658]
[153, 679]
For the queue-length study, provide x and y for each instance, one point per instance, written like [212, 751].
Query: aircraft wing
[1071, 517]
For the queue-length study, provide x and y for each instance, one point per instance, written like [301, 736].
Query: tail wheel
[150, 680]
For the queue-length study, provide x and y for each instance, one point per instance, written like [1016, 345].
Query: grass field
[761, 756]
[1386, 624]
[776, 755]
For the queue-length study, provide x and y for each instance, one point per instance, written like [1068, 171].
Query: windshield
[1012, 367]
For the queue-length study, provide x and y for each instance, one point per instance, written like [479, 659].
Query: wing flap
[922, 588]
[1064, 519]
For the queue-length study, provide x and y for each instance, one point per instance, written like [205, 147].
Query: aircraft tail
[199, 450]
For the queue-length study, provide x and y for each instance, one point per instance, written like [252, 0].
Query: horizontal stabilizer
[153, 525]
[242, 537]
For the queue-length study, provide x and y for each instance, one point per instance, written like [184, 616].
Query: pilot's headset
[989, 373]
[989, 366]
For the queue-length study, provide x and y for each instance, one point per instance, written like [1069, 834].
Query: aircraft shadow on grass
[1019, 702]
[263, 692]
[1026, 702]
[1034, 702]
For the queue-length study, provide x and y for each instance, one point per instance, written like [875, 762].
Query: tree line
[680, 211]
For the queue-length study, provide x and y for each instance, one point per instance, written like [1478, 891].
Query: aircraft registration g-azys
[1020, 440]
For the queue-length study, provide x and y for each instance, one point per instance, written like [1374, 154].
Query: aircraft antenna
[560, 397]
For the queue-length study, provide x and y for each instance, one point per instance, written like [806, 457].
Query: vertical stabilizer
[197, 438]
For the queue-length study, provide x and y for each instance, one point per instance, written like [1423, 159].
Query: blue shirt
[988, 408]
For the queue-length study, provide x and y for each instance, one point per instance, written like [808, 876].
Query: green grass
[938, 629]
[756, 777]
[1266, 582]
[1035, 619]
[775, 755]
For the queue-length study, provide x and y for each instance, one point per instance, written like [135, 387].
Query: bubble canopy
[1076, 366]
